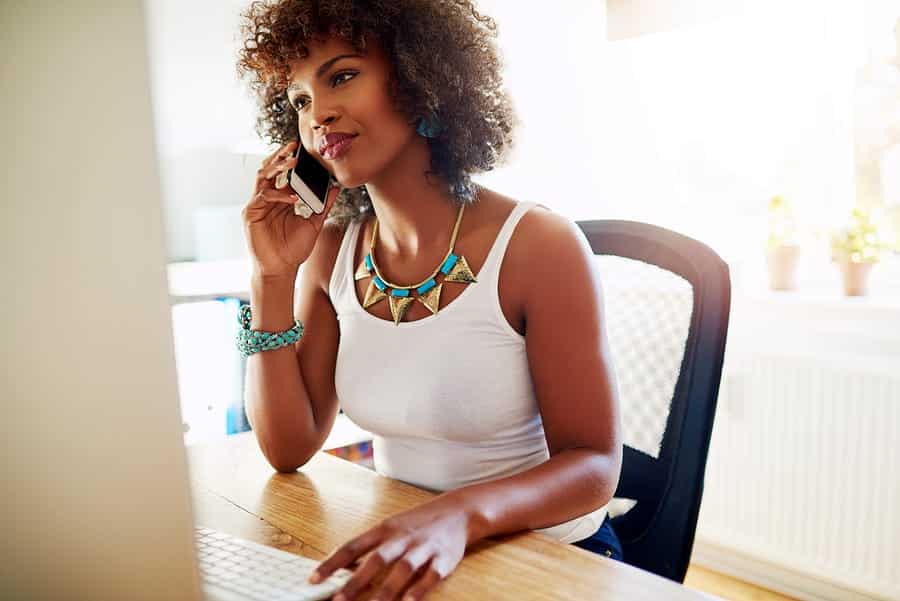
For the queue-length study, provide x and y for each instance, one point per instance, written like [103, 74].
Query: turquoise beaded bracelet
[253, 341]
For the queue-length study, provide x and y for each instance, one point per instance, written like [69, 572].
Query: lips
[332, 143]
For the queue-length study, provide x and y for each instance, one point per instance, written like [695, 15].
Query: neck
[414, 214]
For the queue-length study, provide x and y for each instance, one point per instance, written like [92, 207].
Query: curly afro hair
[445, 66]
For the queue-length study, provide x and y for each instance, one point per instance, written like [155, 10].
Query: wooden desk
[330, 500]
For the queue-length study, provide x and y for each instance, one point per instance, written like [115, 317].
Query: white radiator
[803, 477]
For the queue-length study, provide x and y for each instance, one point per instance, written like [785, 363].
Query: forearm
[431, 539]
[572, 483]
[276, 399]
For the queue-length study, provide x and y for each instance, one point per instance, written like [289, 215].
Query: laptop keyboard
[236, 569]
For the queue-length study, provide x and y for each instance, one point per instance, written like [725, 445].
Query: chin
[348, 177]
[348, 180]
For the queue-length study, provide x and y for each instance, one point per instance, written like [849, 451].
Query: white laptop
[96, 501]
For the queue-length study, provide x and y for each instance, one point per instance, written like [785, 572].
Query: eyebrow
[325, 66]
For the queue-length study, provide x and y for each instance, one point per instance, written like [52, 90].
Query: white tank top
[448, 398]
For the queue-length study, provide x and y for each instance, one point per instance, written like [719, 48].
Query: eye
[341, 74]
[300, 101]
[297, 102]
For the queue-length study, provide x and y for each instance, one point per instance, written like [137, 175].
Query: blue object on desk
[235, 415]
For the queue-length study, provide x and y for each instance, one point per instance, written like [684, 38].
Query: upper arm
[317, 348]
[566, 341]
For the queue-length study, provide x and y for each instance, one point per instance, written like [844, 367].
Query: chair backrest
[667, 299]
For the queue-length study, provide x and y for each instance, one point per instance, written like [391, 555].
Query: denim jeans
[604, 542]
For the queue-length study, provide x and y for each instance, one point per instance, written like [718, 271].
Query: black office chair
[667, 300]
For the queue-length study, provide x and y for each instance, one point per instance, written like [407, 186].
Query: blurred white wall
[630, 18]
[204, 116]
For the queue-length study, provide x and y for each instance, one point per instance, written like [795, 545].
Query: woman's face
[337, 90]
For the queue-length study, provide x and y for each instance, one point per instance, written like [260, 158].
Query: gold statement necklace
[428, 292]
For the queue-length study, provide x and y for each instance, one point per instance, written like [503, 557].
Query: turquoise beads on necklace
[454, 268]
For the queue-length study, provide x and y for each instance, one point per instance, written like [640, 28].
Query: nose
[324, 117]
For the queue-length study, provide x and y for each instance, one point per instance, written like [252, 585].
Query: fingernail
[339, 597]
[315, 578]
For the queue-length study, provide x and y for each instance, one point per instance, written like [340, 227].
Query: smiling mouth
[337, 149]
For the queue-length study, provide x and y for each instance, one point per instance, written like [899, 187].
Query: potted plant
[783, 248]
[856, 247]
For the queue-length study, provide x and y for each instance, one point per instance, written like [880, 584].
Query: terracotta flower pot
[782, 262]
[855, 277]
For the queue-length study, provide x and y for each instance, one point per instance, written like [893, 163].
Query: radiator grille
[804, 471]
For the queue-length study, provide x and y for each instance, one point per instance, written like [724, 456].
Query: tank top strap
[490, 271]
[342, 273]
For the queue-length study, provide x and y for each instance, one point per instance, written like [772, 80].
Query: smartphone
[312, 186]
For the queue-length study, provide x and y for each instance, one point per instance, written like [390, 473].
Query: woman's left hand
[414, 550]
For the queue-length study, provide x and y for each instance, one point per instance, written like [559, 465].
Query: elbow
[285, 468]
[287, 463]
[604, 476]
[287, 457]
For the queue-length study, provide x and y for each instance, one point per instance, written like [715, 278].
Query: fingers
[280, 159]
[275, 167]
[271, 195]
[429, 579]
[259, 206]
[402, 573]
[285, 149]
[282, 179]
[377, 561]
[302, 209]
[346, 554]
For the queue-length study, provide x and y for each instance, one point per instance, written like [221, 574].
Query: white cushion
[648, 311]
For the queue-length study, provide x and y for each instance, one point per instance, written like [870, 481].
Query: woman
[462, 328]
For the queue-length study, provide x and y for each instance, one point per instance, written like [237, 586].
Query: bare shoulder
[550, 272]
[545, 248]
[557, 254]
[543, 239]
[541, 229]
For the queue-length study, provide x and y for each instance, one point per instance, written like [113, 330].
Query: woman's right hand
[280, 241]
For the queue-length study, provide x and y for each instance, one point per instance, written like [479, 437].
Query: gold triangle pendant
[362, 271]
[373, 295]
[399, 306]
[461, 273]
[432, 298]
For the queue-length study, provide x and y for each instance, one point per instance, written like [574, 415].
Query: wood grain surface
[329, 500]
